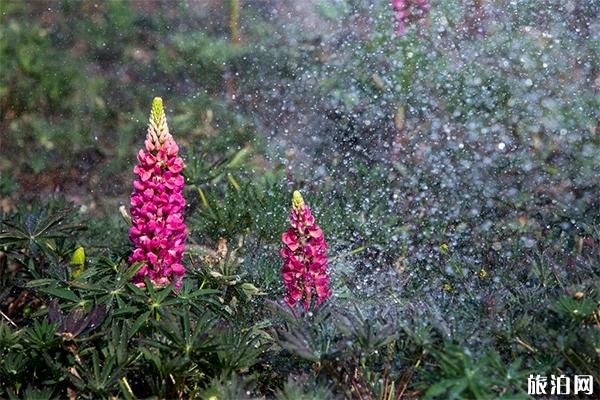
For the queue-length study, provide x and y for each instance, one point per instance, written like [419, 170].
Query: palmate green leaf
[13, 365]
[65, 294]
[227, 215]
[263, 329]
[283, 312]
[118, 343]
[92, 287]
[155, 380]
[200, 172]
[139, 322]
[294, 389]
[197, 294]
[298, 344]
[199, 299]
[368, 333]
[9, 339]
[135, 290]
[40, 282]
[237, 351]
[228, 386]
[42, 335]
[101, 378]
[17, 232]
[312, 335]
[119, 300]
[33, 394]
[456, 390]
[478, 392]
[159, 297]
[9, 239]
[462, 375]
[233, 163]
[574, 309]
[451, 362]
[440, 388]
[132, 270]
[35, 230]
[184, 336]
[211, 304]
[149, 286]
[125, 311]
[85, 274]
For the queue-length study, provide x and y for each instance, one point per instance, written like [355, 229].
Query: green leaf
[162, 295]
[84, 274]
[141, 320]
[131, 271]
[135, 289]
[439, 388]
[574, 309]
[62, 293]
[39, 282]
[125, 310]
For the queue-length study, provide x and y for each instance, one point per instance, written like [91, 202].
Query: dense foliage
[454, 170]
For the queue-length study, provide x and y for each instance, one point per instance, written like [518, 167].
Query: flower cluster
[406, 10]
[305, 267]
[158, 230]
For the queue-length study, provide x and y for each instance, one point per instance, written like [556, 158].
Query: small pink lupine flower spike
[304, 270]
[406, 10]
[158, 230]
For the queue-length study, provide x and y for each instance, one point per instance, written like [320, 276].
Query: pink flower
[304, 270]
[406, 10]
[158, 230]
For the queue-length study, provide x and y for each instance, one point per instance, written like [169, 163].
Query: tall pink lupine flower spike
[304, 270]
[158, 230]
[405, 10]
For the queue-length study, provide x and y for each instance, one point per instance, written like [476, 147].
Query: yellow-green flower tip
[297, 200]
[158, 111]
[78, 257]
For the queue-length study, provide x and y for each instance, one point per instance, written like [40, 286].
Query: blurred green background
[77, 78]
[289, 80]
